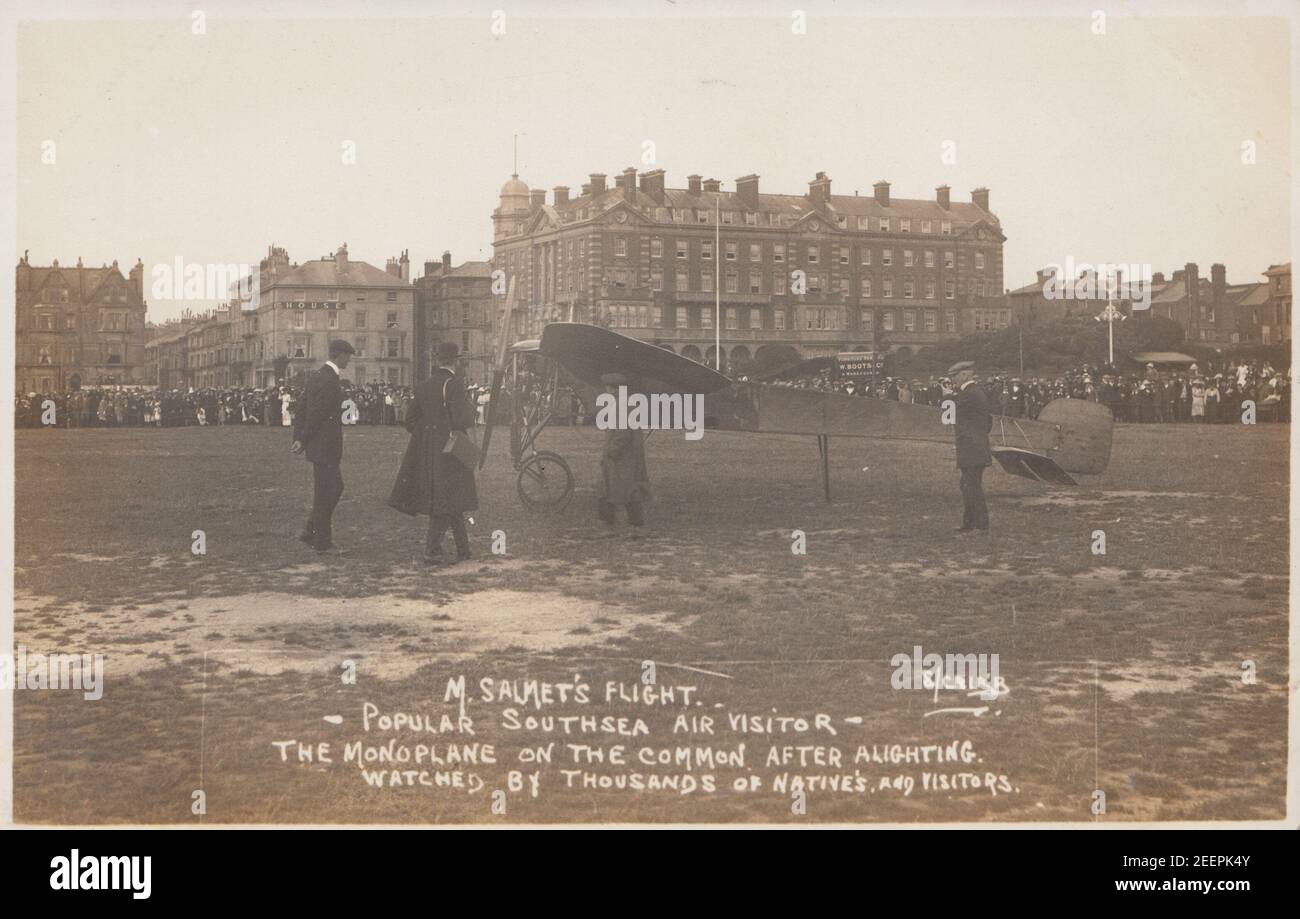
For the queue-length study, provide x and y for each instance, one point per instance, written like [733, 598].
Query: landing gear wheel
[545, 483]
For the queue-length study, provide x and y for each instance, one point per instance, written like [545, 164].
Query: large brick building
[300, 308]
[455, 303]
[649, 261]
[78, 326]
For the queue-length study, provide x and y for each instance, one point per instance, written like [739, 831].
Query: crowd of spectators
[375, 403]
[1212, 396]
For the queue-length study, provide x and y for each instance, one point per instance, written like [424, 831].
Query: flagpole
[717, 284]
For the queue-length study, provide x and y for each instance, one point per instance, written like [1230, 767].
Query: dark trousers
[608, 512]
[439, 524]
[975, 513]
[327, 488]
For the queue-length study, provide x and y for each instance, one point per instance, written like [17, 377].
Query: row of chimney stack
[652, 184]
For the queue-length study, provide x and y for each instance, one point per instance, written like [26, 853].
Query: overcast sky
[1122, 147]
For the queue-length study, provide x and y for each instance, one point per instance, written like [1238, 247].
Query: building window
[755, 282]
[948, 290]
[359, 319]
[778, 320]
[866, 320]
[929, 258]
[332, 320]
[883, 226]
[887, 257]
[681, 248]
[907, 258]
[620, 247]
[947, 260]
[731, 318]
[949, 321]
[866, 256]
[908, 289]
[755, 252]
[683, 279]
[751, 218]
[844, 288]
[909, 320]
[887, 287]
[706, 317]
[733, 282]
[778, 282]
[866, 287]
[728, 217]
[360, 344]
[682, 320]
[931, 321]
[394, 347]
[927, 226]
[656, 279]
[755, 319]
[979, 261]
[814, 283]
[656, 247]
[706, 250]
[706, 281]
[905, 225]
[814, 254]
[945, 228]
[864, 223]
[778, 252]
[300, 320]
[929, 290]
[731, 252]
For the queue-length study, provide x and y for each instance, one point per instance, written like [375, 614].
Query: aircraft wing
[588, 352]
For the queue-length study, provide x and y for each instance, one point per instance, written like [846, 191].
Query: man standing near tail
[973, 455]
[318, 432]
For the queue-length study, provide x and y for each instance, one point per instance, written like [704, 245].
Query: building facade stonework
[455, 303]
[818, 272]
[301, 308]
[78, 326]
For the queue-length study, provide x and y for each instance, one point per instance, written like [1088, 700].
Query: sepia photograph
[681, 414]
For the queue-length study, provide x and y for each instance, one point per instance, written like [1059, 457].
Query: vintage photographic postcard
[649, 413]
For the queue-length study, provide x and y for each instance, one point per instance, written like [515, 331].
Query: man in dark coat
[974, 422]
[318, 432]
[432, 481]
[623, 476]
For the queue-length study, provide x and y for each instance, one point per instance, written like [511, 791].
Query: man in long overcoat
[623, 476]
[431, 481]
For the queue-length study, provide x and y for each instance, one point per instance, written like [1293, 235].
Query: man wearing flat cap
[623, 476]
[973, 423]
[318, 433]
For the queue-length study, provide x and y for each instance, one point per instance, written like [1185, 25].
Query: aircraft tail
[1085, 430]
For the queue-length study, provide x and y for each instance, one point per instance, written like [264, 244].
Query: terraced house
[817, 272]
[78, 326]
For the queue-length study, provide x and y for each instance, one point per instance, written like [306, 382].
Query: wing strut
[824, 448]
[498, 372]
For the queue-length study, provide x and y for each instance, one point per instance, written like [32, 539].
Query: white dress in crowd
[286, 401]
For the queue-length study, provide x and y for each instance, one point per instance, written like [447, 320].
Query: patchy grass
[1123, 670]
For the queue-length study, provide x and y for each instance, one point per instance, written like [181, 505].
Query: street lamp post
[717, 283]
[1108, 316]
